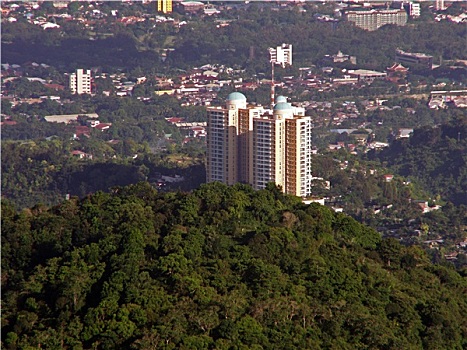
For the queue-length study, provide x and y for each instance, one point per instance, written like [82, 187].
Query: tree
[390, 251]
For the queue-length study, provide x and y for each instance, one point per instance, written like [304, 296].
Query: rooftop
[282, 106]
[280, 99]
[236, 96]
[413, 54]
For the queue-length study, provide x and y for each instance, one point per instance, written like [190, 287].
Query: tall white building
[222, 140]
[298, 155]
[439, 5]
[414, 9]
[251, 145]
[269, 151]
[281, 55]
[80, 82]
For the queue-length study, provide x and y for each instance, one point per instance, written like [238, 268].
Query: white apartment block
[439, 5]
[281, 55]
[374, 19]
[414, 9]
[80, 82]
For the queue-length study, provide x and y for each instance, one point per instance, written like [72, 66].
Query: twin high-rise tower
[252, 145]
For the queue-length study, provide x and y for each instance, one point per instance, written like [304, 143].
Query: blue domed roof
[281, 106]
[280, 99]
[236, 96]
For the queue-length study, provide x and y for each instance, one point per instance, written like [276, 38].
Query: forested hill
[219, 268]
[436, 156]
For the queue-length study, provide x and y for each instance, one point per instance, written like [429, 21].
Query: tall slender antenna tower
[281, 55]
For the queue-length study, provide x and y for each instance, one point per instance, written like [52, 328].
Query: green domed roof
[281, 106]
[280, 99]
[236, 96]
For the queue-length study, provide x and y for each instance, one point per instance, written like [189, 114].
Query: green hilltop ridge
[435, 156]
[219, 268]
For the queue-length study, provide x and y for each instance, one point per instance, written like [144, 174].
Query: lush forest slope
[40, 171]
[219, 268]
[436, 156]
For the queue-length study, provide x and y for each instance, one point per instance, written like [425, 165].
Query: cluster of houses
[12, 12]
[444, 99]
[92, 14]
[194, 130]
[200, 85]
[89, 119]
[462, 18]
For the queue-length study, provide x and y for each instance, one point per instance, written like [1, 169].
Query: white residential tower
[80, 82]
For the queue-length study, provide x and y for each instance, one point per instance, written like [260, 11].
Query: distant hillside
[436, 156]
[220, 268]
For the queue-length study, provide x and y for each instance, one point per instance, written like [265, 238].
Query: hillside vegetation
[436, 157]
[219, 268]
[136, 46]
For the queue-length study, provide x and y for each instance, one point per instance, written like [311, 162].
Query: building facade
[252, 145]
[298, 156]
[414, 9]
[164, 6]
[192, 6]
[412, 58]
[80, 82]
[223, 141]
[439, 5]
[374, 19]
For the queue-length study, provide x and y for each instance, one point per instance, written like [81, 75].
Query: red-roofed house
[250, 86]
[8, 122]
[174, 120]
[198, 131]
[103, 126]
[82, 131]
[81, 154]
[55, 86]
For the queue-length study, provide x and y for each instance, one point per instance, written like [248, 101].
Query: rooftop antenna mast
[281, 55]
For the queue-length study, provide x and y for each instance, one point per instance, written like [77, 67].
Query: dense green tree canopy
[244, 42]
[220, 268]
[436, 156]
